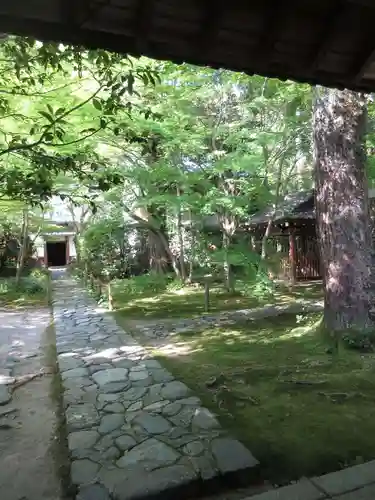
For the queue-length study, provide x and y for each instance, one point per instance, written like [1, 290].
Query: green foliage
[260, 286]
[363, 341]
[105, 248]
[54, 100]
[273, 380]
[145, 285]
[30, 289]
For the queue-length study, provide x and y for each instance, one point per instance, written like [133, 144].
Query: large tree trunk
[160, 253]
[342, 210]
[157, 254]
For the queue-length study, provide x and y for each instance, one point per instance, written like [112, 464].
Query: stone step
[134, 431]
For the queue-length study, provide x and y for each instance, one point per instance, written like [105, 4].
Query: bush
[145, 285]
[362, 341]
[28, 286]
[31, 286]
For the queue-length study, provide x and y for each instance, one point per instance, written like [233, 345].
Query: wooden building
[293, 237]
[56, 248]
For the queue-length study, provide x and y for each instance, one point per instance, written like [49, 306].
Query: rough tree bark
[343, 223]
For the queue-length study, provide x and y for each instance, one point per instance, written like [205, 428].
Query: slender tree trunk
[76, 240]
[228, 272]
[263, 253]
[267, 233]
[342, 209]
[180, 237]
[23, 247]
[192, 248]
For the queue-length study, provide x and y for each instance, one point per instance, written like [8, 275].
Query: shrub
[28, 286]
[143, 285]
[362, 341]
[32, 285]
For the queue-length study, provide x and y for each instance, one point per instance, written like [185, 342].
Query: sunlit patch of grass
[19, 296]
[189, 301]
[300, 410]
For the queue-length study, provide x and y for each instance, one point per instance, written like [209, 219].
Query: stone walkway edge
[134, 432]
[353, 483]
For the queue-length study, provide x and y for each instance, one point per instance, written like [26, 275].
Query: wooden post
[206, 295]
[292, 257]
[67, 249]
[45, 254]
[110, 298]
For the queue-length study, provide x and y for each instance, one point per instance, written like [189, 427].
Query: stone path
[163, 329]
[353, 483]
[134, 432]
[28, 422]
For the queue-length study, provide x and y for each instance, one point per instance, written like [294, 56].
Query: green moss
[300, 410]
[189, 301]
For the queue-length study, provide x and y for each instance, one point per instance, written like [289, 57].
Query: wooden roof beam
[327, 33]
[274, 13]
[363, 66]
[80, 12]
[363, 63]
[212, 13]
[142, 24]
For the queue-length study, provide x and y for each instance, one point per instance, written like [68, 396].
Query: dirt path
[31, 455]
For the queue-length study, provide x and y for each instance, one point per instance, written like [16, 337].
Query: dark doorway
[56, 253]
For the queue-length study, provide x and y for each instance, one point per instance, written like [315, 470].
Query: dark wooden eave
[328, 42]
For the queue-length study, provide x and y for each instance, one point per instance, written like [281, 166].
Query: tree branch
[21, 147]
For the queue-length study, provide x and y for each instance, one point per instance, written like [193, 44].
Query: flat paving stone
[125, 442]
[111, 422]
[81, 416]
[204, 419]
[347, 479]
[114, 408]
[154, 484]
[174, 390]
[152, 453]
[194, 448]
[104, 377]
[74, 372]
[82, 439]
[231, 455]
[153, 424]
[113, 387]
[84, 471]
[134, 431]
[303, 490]
[5, 395]
[69, 361]
[138, 375]
[366, 493]
[93, 492]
